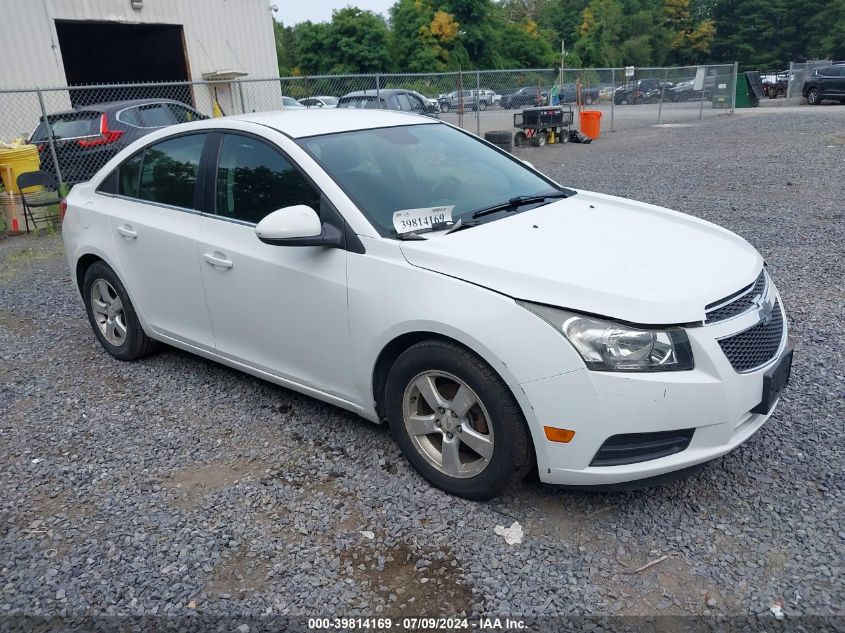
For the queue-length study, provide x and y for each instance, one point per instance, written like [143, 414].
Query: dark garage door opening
[111, 53]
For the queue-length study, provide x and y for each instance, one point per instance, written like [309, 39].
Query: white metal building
[55, 43]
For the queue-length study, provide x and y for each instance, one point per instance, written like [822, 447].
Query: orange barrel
[591, 123]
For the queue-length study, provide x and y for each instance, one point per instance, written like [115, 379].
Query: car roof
[303, 123]
[111, 106]
[370, 93]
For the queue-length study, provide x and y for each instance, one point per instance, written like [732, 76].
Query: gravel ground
[177, 487]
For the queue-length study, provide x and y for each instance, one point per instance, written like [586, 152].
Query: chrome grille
[737, 303]
[757, 345]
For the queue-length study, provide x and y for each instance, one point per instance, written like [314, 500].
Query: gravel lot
[174, 486]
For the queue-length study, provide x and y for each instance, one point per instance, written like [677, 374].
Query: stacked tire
[500, 138]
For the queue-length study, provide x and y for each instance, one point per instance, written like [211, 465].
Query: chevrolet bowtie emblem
[764, 310]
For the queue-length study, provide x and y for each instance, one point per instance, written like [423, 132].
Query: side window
[253, 179]
[404, 102]
[130, 116]
[417, 104]
[155, 115]
[169, 171]
[129, 176]
[183, 114]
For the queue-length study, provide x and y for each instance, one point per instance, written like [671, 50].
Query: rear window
[366, 102]
[69, 125]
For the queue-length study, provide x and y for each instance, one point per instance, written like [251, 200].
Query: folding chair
[41, 200]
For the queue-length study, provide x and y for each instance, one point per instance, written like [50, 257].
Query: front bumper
[713, 399]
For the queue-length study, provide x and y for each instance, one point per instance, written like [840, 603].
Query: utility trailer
[542, 125]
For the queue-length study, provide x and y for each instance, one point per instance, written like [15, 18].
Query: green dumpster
[721, 91]
[745, 96]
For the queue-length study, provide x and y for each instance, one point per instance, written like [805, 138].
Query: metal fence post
[703, 90]
[50, 141]
[789, 81]
[378, 92]
[477, 103]
[612, 95]
[241, 93]
[735, 78]
[662, 90]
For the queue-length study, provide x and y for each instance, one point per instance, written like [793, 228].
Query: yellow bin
[17, 161]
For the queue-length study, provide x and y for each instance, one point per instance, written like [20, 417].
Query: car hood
[598, 254]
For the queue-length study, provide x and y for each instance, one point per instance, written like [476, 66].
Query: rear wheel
[519, 139]
[814, 96]
[482, 105]
[112, 315]
[540, 139]
[456, 420]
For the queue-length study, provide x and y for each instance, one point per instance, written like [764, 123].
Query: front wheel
[112, 315]
[444, 107]
[482, 105]
[519, 139]
[456, 421]
[540, 139]
[814, 96]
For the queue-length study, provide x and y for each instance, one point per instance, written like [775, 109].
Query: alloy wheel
[108, 312]
[448, 424]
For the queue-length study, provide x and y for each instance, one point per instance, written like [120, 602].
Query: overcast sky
[295, 11]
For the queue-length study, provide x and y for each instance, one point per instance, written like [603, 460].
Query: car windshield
[69, 125]
[426, 166]
[330, 101]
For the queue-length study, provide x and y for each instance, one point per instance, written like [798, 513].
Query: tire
[498, 136]
[446, 368]
[519, 139]
[482, 105]
[814, 96]
[540, 139]
[100, 283]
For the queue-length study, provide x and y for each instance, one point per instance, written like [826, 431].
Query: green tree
[310, 44]
[357, 42]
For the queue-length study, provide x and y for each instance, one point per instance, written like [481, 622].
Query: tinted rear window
[365, 102]
[69, 125]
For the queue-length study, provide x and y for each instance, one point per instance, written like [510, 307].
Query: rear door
[155, 221]
[838, 81]
[281, 309]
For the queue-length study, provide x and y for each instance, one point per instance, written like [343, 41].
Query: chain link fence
[89, 124]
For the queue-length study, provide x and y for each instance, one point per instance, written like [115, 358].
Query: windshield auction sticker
[409, 220]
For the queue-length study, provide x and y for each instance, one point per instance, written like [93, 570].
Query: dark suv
[388, 99]
[823, 83]
[640, 91]
[527, 96]
[87, 137]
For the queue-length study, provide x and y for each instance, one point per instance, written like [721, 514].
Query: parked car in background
[605, 93]
[684, 91]
[826, 83]
[319, 102]
[640, 91]
[87, 137]
[568, 93]
[289, 103]
[388, 99]
[472, 99]
[526, 96]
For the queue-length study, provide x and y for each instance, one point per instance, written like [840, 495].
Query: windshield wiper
[518, 201]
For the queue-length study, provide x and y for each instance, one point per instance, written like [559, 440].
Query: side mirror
[298, 225]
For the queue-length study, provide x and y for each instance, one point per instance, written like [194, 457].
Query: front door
[155, 226]
[281, 309]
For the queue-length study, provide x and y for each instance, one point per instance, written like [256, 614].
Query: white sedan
[407, 271]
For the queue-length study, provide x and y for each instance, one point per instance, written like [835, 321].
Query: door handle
[127, 232]
[218, 260]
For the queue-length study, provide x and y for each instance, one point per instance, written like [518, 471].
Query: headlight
[608, 346]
